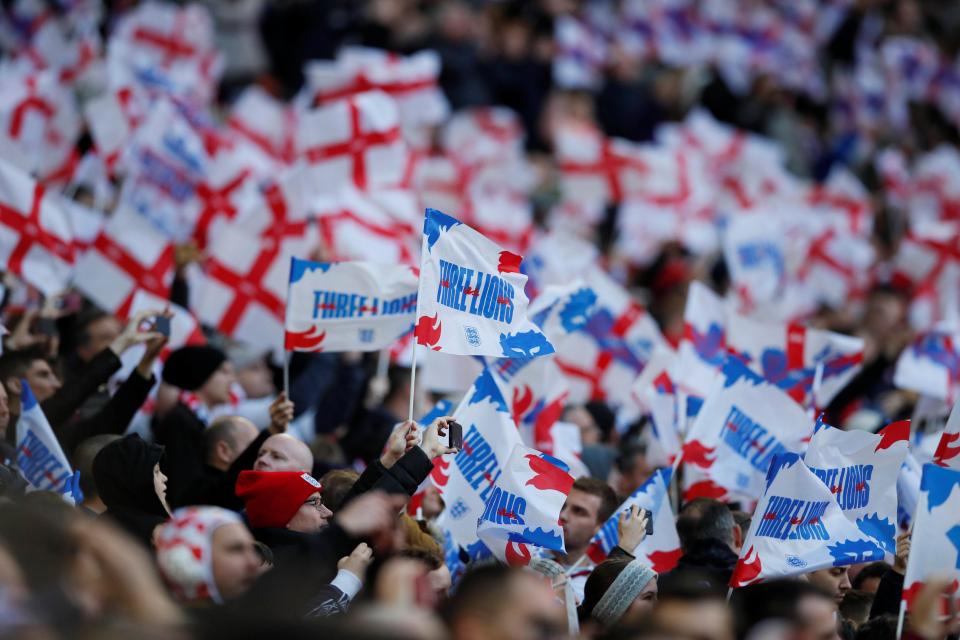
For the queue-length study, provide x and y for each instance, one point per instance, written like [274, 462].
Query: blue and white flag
[348, 306]
[662, 547]
[472, 299]
[523, 509]
[861, 470]
[798, 527]
[936, 532]
[744, 422]
[466, 479]
[39, 456]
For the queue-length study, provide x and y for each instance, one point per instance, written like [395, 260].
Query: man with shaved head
[283, 452]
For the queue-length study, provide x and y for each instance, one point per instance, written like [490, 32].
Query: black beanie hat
[190, 367]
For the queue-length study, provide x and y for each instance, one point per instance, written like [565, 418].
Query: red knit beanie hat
[272, 498]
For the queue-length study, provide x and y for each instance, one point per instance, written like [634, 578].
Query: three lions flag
[948, 449]
[348, 306]
[471, 299]
[524, 507]
[662, 547]
[39, 456]
[798, 527]
[861, 470]
[937, 524]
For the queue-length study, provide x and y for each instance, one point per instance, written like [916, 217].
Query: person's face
[432, 503]
[643, 603]
[160, 485]
[236, 563]
[589, 431]
[819, 618]
[4, 410]
[578, 518]
[440, 581]
[256, 380]
[638, 473]
[311, 516]
[870, 585]
[279, 453]
[216, 390]
[42, 380]
[101, 333]
[533, 614]
[835, 581]
[707, 619]
[229, 449]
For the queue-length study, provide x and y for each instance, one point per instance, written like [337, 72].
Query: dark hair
[427, 557]
[872, 570]
[602, 415]
[14, 364]
[880, 628]
[855, 606]
[626, 459]
[336, 485]
[704, 518]
[599, 488]
[82, 459]
[598, 582]
[743, 520]
[481, 592]
[81, 333]
[777, 599]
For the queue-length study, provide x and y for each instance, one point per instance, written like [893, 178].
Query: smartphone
[649, 516]
[455, 435]
[161, 324]
[46, 326]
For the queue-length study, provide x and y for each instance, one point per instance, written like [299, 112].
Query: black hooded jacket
[123, 473]
[710, 559]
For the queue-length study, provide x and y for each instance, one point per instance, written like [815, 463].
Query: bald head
[283, 452]
[226, 439]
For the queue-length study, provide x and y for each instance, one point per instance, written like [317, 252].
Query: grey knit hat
[624, 590]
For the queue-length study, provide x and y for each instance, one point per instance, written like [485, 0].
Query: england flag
[662, 547]
[937, 525]
[471, 299]
[744, 423]
[948, 449]
[39, 456]
[861, 470]
[798, 527]
[524, 507]
[348, 306]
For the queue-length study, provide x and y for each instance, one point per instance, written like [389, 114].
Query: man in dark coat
[710, 540]
[131, 485]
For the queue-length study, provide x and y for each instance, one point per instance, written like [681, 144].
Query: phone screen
[162, 325]
[455, 435]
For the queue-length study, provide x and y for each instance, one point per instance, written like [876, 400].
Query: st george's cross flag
[523, 509]
[39, 455]
[861, 470]
[931, 365]
[798, 527]
[744, 422]
[348, 306]
[948, 448]
[937, 524]
[471, 299]
[662, 547]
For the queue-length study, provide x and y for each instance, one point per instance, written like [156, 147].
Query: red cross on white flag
[354, 140]
[36, 241]
[128, 254]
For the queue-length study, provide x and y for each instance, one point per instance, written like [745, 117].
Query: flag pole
[900, 617]
[286, 373]
[416, 318]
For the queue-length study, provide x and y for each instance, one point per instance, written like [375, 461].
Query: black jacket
[123, 472]
[888, 595]
[113, 417]
[180, 432]
[218, 488]
[404, 477]
[61, 406]
[711, 558]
